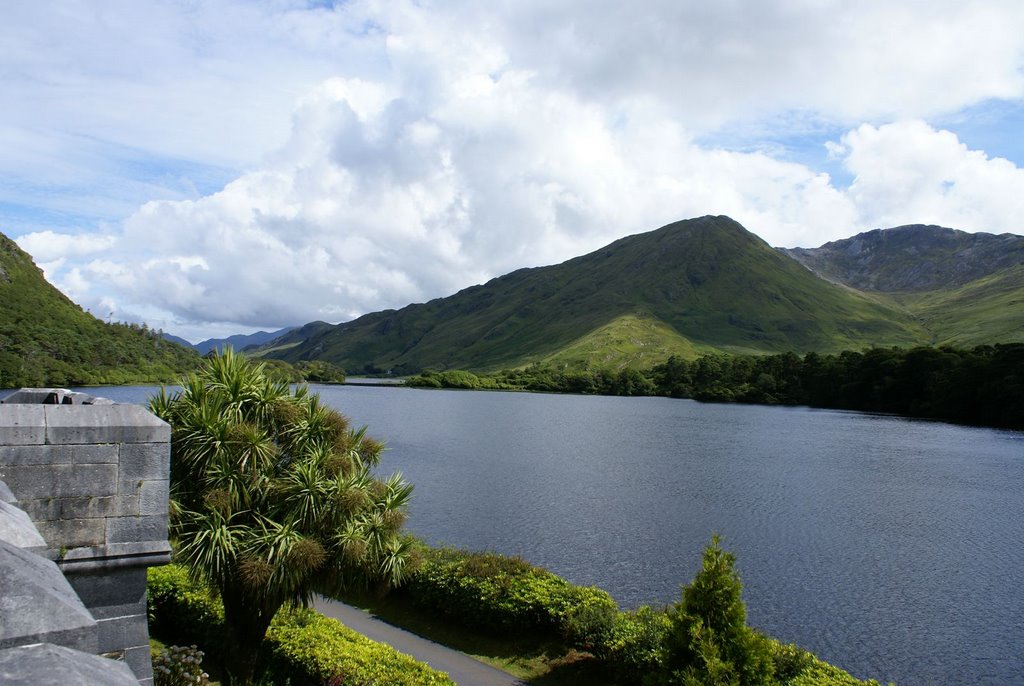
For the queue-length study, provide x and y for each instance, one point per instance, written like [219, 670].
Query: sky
[213, 167]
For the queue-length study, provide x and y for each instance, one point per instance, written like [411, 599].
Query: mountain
[700, 284]
[46, 340]
[176, 339]
[965, 289]
[913, 258]
[240, 341]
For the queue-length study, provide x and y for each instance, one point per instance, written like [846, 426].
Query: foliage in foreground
[273, 498]
[702, 639]
[179, 666]
[301, 646]
[508, 595]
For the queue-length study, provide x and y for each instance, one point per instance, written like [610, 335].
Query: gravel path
[464, 670]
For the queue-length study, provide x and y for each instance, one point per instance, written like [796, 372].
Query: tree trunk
[246, 622]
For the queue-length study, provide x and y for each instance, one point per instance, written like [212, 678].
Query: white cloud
[909, 172]
[48, 246]
[435, 146]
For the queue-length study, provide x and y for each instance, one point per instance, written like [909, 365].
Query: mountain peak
[911, 258]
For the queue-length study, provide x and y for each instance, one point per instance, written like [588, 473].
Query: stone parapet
[93, 478]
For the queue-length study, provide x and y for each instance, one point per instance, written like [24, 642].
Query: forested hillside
[47, 340]
[695, 285]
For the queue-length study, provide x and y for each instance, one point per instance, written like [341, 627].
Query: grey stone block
[34, 482]
[103, 424]
[154, 497]
[45, 663]
[112, 556]
[111, 588]
[41, 509]
[73, 533]
[98, 453]
[141, 663]
[89, 507]
[58, 454]
[23, 424]
[38, 605]
[145, 461]
[17, 528]
[6, 495]
[141, 528]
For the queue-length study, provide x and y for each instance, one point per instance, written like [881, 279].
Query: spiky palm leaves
[273, 497]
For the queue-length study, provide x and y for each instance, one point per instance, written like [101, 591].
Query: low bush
[635, 646]
[305, 647]
[302, 647]
[508, 595]
[179, 666]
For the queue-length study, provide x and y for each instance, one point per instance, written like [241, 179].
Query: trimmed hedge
[308, 648]
[302, 646]
[508, 595]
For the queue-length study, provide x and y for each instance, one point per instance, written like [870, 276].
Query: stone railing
[83, 512]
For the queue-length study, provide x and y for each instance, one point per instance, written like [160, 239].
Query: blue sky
[218, 167]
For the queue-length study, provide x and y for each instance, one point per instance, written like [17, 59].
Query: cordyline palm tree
[273, 498]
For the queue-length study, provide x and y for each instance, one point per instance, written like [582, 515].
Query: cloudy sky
[219, 166]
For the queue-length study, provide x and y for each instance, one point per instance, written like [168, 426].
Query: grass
[638, 341]
[988, 310]
[544, 661]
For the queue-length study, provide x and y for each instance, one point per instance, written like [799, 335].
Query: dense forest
[983, 385]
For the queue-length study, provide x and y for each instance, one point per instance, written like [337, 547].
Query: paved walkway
[464, 670]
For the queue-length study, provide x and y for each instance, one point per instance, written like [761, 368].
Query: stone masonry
[83, 512]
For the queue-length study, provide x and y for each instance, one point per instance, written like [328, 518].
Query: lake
[893, 548]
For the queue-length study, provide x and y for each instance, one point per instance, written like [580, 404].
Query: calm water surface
[893, 548]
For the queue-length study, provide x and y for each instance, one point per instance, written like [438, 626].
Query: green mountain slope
[708, 280]
[47, 340]
[982, 312]
[965, 289]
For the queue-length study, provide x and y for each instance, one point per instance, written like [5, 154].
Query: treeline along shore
[981, 386]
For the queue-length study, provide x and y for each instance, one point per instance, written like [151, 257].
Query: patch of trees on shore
[983, 385]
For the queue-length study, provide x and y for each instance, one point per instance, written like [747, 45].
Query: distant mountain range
[695, 286]
[240, 341]
[45, 339]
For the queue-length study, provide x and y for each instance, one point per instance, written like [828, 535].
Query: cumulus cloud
[46, 246]
[382, 153]
[909, 172]
[378, 201]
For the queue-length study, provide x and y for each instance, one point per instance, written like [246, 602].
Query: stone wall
[91, 480]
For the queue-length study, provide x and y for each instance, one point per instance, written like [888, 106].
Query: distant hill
[47, 340]
[176, 339]
[700, 284]
[240, 341]
[912, 259]
[965, 289]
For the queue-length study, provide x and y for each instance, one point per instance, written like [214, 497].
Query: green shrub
[789, 660]
[305, 647]
[182, 611]
[635, 646]
[301, 646]
[818, 673]
[588, 618]
[508, 595]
